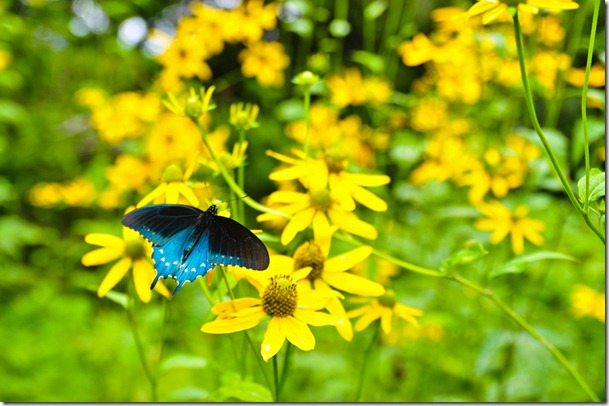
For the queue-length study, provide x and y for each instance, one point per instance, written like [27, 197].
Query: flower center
[280, 297]
[173, 173]
[322, 199]
[309, 254]
[388, 299]
[335, 160]
[135, 249]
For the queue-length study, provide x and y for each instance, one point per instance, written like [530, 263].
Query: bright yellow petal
[364, 321]
[323, 231]
[353, 284]
[335, 307]
[408, 313]
[172, 194]
[273, 339]
[368, 199]
[493, 14]
[317, 318]
[301, 273]
[298, 333]
[283, 158]
[101, 256]
[161, 289]
[386, 320]
[105, 240]
[294, 172]
[143, 274]
[517, 241]
[553, 4]
[482, 7]
[286, 196]
[359, 311]
[350, 223]
[232, 325]
[347, 260]
[115, 274]
[368, 180]
[188, 194]
[316, 300]
[158, 191]
[233, 306]
[298, 223]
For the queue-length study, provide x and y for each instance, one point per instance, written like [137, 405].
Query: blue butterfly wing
[196, 264]
[168, 257]
[230, 243]
[159, 223]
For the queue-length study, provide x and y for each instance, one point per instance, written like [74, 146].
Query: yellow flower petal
[188, 194]
[273, 339]
[368, 199]
[386, 320]
[493, 14]
[298, 333]
[335, 307]
[143, 274]
[317, 318]
[517, 240]
[322, 232]
[234, 324]
[115, 274]
[172, 194]
[367, 180]
[282, 158]
[286, 196]
[364, 321]
[407, 313]
[233, 306]
[347, 260]
[158, 191]
[301, 273]
[353, 284]
[298, 223]
[105, 240]
[160, 288]
[553, 4]
[352, 224]
[359, 311]
[101, 256]
[482, 6]
[294, 172]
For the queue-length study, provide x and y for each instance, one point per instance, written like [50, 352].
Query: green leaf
[470, 253]
[374, 62]
[246, 391]
[188, 393]
[597, 186]
[117, 297]
[374, 10]
[183, 361]
[596, 131]
[521, 264]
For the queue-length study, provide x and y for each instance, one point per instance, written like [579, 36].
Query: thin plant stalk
[367, 353]
[583, 103]
[531, 107]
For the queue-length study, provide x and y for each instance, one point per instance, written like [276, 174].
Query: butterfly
[188, 242]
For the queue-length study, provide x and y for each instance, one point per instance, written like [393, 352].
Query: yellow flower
[428, 115]
[186, 57]
[133, 252]
[587, 302]
[173, 185]
[384, 308]
[91, 97]
[172, 139]
[502, 221]
[265, 61]
[128, 173]
[417, 51]
[492, 9]
[291, 310]
[576, 76]
[125, 115]
[79, 192]
[545, 66]
[331, 273]
[351, 89]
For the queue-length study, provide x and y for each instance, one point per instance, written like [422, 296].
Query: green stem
[241, 177]
[531, 107]
[284, 370]
[140, 350]
[369, 30]
[229, 179]
[362, 371]
[276, 377]
[583, 106]
[489, 294]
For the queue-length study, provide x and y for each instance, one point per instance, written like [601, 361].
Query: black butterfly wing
[230, 243]
[158, 223]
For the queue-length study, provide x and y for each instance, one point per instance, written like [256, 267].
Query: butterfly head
[213, 210]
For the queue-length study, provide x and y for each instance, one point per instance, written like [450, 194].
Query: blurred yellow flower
[186, 57]
[128, 173]
[291, 310]
[586, 301]
[545, 66]
[384, 308]
[125, 115]
[331, 273]
[5, 59]
[173, 185]
[502, 221]
[576, 76]
[428, 115]
[492, 9]
[417, 51]
[173, 138]
[134, 253]
[350, 88]
[78, 192]
[266, 62]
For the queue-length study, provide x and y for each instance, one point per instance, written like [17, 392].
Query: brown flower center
[388, 299]
[280, 297]
[135, 249]
[309, 254]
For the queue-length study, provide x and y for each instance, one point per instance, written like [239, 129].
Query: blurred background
[60, 179]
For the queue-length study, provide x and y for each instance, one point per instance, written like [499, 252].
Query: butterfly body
[188, 242]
